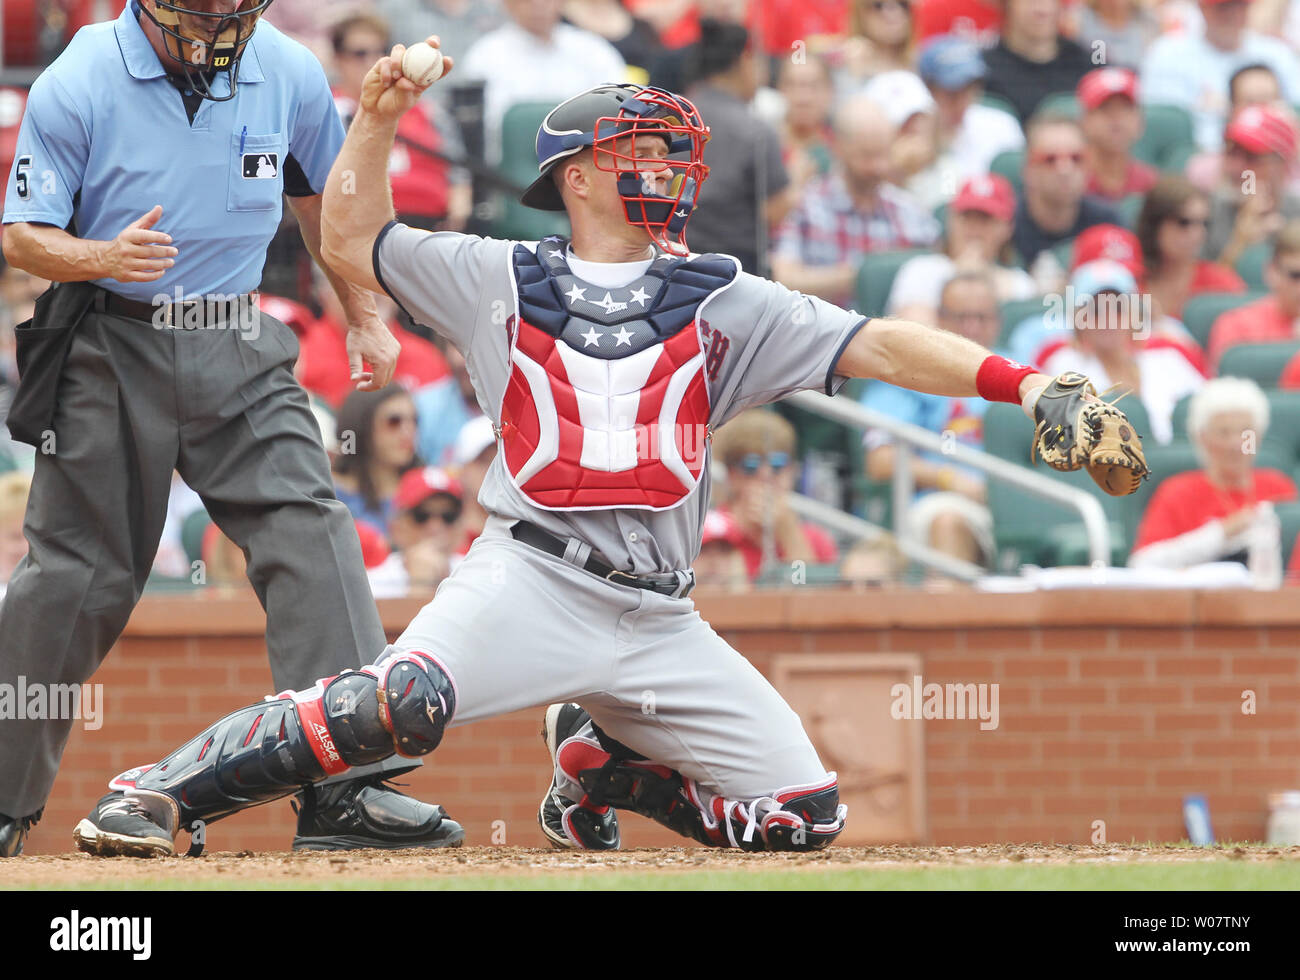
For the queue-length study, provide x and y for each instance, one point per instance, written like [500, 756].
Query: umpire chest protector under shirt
[106, 137]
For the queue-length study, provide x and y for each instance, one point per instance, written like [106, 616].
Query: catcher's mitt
[1074, 431]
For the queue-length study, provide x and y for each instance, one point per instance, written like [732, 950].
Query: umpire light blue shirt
[106, 137]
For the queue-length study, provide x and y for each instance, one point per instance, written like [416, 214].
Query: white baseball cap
[901, 94]
[475, 436]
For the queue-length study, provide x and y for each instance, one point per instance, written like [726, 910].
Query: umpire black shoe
[13, 832]
[364, 813]
[119, 825]
[565, 823]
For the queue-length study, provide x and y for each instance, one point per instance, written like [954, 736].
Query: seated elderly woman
[1111, 319]
[1222, 512]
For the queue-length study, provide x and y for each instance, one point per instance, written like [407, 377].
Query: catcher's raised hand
[1077, 429]
[388, 93]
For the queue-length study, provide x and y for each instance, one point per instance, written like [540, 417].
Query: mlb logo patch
[261, 166]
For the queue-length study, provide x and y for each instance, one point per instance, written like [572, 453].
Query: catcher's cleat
[119, 825]
[567, 824]
[365, 813]
[13, 833]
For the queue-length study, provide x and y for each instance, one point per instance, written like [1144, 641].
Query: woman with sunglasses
[376, 433]
[1171, 229]
[879, 40]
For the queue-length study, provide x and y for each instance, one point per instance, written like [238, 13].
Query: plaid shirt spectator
[827, 229]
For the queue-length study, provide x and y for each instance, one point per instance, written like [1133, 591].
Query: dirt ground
[227, 869]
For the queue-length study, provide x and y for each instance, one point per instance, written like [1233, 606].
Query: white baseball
[422, 63]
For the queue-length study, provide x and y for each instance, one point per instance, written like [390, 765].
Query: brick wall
[1095, 724]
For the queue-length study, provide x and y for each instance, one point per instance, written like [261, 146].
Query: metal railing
[910, 438]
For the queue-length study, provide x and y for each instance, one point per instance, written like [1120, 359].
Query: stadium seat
[1262, 363]
[519, 164]
[1009, 163]
[1201, 311]
[1167, 134]
[1016, 311]
[192, 531]
[1064, 252]
[1030, 529]
[1250, 266]
[1288, 514]
[999, 103]
[876, 277]
[1129, 208]
[1060, 104]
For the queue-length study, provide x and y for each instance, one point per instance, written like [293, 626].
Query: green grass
[1147, 876]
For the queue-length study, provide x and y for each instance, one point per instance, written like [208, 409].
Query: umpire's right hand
[138, 253]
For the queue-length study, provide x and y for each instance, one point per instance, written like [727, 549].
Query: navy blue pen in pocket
[243, 136]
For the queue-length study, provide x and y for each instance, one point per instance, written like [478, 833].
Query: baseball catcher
[604, 362]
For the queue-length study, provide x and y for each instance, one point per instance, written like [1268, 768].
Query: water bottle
[1264, 552]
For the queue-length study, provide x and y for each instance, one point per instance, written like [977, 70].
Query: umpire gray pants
[221, 406]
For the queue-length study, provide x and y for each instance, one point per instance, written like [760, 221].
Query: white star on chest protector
[639, 295]
[576, 293]
[623, 337]
[590, 337]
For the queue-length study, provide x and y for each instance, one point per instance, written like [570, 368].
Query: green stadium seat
[1060, 104]
[1262, 363]
[1167, 133]
[1030, 529]
[999, 103]
[1201, 311]
[1129, 208]
[1016, 311]
[876, 277]
[1009, 163]
[1064, 252]
[1250, 266]
[1288, 514]
[519, 164]
[192, 530]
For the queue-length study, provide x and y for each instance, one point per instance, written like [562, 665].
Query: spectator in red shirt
[323, 359]
[1277, 315]
[1112, 123]
[979, 20]
[1253, 201]
[758, 450]
[1221, 512]
[1171, 228]
[428, 192]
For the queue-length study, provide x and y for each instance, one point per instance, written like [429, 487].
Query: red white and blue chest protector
[607, 404]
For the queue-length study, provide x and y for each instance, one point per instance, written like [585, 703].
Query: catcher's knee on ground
[400, 705]
[599, 771]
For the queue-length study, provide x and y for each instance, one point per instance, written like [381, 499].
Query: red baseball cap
[988, 193]
[374, 546]
[721, 526]
[1109, 242]
[1262, 129]
[1101, 83]
[418, 485]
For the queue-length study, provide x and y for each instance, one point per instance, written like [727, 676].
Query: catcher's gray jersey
[764, 342]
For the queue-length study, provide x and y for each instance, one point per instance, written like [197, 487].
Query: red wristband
[998, 379]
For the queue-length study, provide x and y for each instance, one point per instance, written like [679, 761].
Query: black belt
[210, 311]
[675, 584]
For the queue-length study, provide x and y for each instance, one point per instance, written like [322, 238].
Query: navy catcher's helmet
[607, 118]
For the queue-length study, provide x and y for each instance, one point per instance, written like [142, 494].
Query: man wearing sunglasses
[150, 176]
[603, 362]
[425, 531]
[1054, 206]
[1252, 200]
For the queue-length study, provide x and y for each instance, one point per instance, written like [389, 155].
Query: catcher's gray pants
[221, 406]
[515, 627]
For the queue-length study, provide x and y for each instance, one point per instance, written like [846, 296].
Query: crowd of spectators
[1107, 186]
